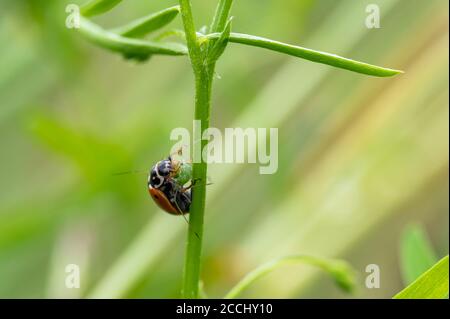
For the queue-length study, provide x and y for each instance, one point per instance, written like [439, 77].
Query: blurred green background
[360, 158]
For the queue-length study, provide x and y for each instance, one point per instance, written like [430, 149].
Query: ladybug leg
[180, 211]
[191, 185]
[194, 183]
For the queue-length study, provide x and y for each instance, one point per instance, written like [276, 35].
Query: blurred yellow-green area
[360, 157]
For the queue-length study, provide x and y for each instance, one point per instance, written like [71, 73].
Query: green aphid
[184, 173]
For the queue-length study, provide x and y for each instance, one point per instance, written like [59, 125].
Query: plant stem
[204, 73]
[203, 85]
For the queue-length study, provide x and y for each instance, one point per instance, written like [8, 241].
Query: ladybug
[166, 182]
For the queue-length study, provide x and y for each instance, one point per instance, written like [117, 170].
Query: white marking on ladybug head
[161, 181]
[157, 180]
[156, 169]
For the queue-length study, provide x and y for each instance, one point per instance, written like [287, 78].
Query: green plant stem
[203, 84]
[191, 275]
[203, 72]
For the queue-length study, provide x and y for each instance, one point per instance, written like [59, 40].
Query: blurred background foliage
[359, 157]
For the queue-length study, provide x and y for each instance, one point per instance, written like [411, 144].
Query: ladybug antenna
[178, 151]
[136, 171]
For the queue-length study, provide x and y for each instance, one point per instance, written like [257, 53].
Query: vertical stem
[203, 85]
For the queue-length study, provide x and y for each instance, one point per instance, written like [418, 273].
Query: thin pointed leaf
[220, 44]
[143, 26]
[221, 15]
[342, 273]
[311, 55]
[417, 254]
[433, 284]
[130, 48]
[96, 7]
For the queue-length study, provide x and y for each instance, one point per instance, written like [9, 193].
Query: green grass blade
[143, 26]
[342, 273]
[130, 48]
[96, 7]
[311, 55]
[433, 284]
[417, 254]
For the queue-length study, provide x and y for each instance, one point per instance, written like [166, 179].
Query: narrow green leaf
[143, 26]
[416, 255]
[433, 284]
[311, 55]
[220, 44]
[129, 48]
[340, 271]
[96, 7]
[221, 15]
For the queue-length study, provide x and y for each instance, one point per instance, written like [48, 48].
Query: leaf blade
[416, 255]
[311, 55]
[220, 44]
[221, 15]
[341, 272]
[433, 284]
[96, 7]
[130, 48]
[145, 25]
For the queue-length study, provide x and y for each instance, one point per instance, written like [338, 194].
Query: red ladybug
[167, 193]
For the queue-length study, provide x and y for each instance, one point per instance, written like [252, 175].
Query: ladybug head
[159, 173]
